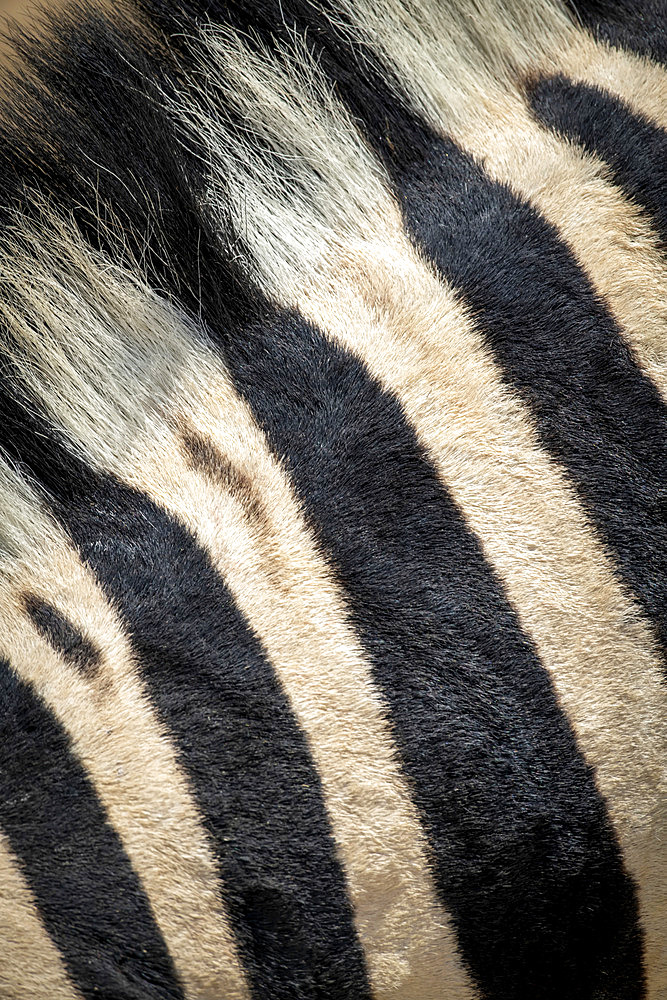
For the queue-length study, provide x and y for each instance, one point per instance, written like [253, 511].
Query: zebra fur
[333, 557]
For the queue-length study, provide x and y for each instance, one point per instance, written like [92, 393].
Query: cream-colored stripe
[417, 340]
[469, 87]
[130, 392]
[285, 591]
[540, 36]
[30, 965]
[126, 754]
[380, 302]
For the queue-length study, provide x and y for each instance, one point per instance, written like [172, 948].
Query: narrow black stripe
[634, 148]
[88, 895]
[246, 757]
[637, 25]
[524, 855]
[65, 637]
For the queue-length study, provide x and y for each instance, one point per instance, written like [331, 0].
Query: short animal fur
[333, 466]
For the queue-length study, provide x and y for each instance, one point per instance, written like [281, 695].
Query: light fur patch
[120, 742]
[464, 69]
[31, 968]
[377, 299]
[128, 389]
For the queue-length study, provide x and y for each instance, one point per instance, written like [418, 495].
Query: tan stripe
[539, 36]
[634, 79]
[253, 531]
[449, 76]
[241, 510]
[412, 333]
[30, 965]
[130, 761]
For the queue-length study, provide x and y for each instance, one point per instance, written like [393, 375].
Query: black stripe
[65, 637]
[560, 350]
[237, 738]
[554, 339]
[637, 25]
[552, 336]
[634, 148]
[88, 895]
[524, 854]
[525, 858]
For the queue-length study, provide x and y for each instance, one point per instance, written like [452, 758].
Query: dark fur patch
[65, 638]
[203, 455]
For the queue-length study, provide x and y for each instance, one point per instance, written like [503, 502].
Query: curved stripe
[210, 469]
[133, 768]
[65, 638]
[31, 967]
[213, 689]
[459, 98]
[349, 441]
[547, 327]
[88, 896]
[388, 334]
[632, 146]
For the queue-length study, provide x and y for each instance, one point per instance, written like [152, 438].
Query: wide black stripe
[88, 895]
[554, 339]
[524, 856]
[247, 759]
[634, 148]
[637, 25]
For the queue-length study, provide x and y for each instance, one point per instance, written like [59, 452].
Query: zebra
[333, 549]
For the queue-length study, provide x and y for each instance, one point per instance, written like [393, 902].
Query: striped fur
[333, 556]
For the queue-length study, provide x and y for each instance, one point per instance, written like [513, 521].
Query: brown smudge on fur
[203, 456]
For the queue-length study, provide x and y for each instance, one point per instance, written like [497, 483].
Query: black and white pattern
[333, 469]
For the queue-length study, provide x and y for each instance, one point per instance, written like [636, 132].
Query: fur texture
[333, 558]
